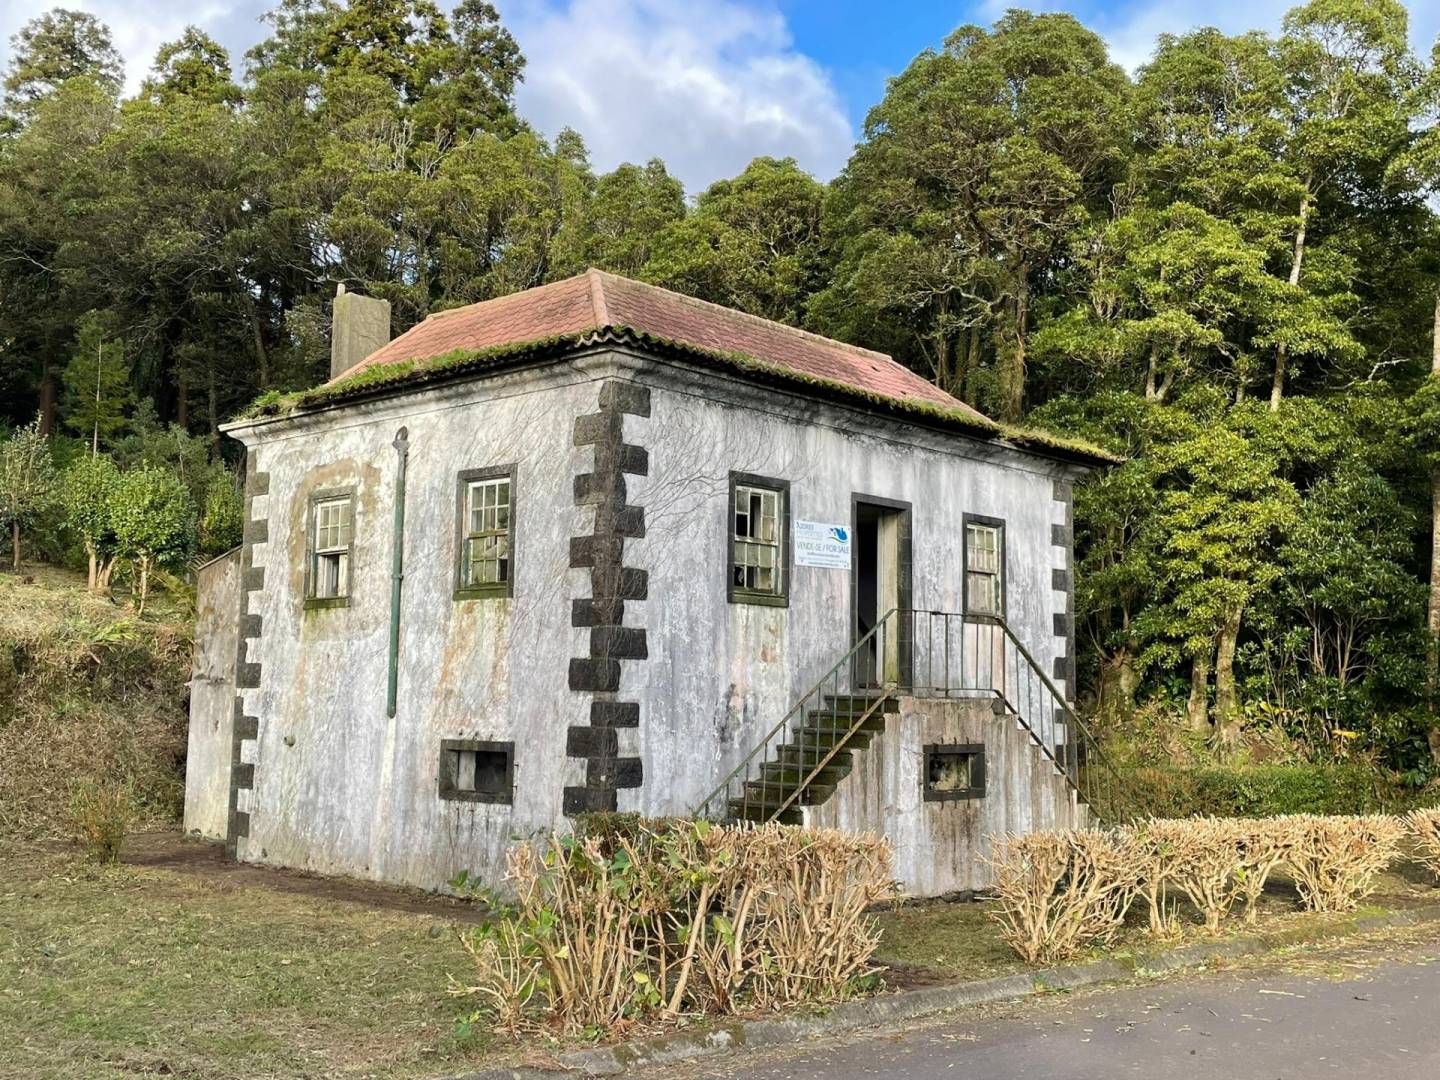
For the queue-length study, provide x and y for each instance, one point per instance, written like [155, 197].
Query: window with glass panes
[984, 569]
[333, 524]
[757, 562]
[485, 562]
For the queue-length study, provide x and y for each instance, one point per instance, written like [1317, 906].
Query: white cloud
[706, 87]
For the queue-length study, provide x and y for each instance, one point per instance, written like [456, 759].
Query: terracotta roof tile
[596, 300]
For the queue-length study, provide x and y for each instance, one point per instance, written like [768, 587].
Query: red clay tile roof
[596, 300]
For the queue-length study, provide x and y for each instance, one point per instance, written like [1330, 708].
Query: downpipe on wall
[397, 566]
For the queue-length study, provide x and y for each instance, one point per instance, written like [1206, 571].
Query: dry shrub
[101, 814]
[679, 917]
[1335, 860]
[1060, 892]
[1262, 845]
[1425, 831]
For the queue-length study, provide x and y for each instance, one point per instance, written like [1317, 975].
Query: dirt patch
[205, 861]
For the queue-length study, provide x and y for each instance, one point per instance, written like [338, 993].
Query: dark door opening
[877, 590]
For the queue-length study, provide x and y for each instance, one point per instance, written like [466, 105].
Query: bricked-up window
[984, 567]
[954, 771]
[472, 770]
[759, 523]
[487, 519]
[332, 534]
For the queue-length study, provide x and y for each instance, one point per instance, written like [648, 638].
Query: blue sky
[708, 84]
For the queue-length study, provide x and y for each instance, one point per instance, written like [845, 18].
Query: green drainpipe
[397, 565]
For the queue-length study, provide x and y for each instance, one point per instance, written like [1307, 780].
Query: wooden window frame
[975, 751]
[738, 594]
[1002, 574]
[497, 590]
[312, 553]
[451, 793]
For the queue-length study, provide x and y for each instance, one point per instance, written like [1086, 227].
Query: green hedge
[1260, 790]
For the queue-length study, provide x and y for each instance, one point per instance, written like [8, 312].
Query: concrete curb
[913, 1004]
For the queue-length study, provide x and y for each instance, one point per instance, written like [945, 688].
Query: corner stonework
[603, 612]
[247, 669]
[1062, 535]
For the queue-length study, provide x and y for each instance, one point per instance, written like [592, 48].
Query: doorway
[881, 566]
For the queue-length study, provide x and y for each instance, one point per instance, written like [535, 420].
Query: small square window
[475, 771]
[487, 518]
[331, 542]
[954, 771]
[759, 524]
[984, 567]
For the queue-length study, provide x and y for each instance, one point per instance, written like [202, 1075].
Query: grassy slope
[87, 690]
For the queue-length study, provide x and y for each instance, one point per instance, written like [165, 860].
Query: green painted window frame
[498, 590]
[738, 594]
[312, 552]
[449, 788]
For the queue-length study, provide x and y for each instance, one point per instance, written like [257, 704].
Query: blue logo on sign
[839, 534]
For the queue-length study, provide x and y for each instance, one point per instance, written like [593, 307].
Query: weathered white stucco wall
[212, 697]
[340, 787]
[940, 846]
[721, 674]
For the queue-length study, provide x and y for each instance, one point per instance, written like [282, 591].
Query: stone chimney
[360, 325]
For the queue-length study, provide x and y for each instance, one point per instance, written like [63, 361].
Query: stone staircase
[827, 736]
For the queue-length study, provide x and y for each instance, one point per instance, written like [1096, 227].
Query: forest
[1224, 266]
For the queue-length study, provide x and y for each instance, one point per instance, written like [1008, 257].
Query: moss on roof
[384, 379]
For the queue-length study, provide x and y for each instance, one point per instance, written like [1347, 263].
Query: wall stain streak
[611, 584]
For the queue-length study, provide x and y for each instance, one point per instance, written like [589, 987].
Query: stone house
[600, 546]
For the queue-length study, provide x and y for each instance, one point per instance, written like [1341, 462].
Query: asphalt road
[1376, 1016]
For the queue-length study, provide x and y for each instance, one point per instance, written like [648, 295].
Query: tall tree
[53, 48]
[957, 205]
[753, 242]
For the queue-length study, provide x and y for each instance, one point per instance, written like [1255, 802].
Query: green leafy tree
[97, 391]
[153, 519]
[222, 520]
[194, 65]
[631, 206]
[27, 483]
[753, 242]
[974, 169]
[87, 492]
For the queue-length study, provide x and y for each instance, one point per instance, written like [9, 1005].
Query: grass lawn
[179, 963]
[198, 968]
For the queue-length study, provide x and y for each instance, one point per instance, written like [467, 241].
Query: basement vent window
[954, 771]
[474, 771]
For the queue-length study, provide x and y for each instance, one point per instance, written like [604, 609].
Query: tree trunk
[1012, 363]
[262, 359]
[103, 575]
[182, 401]
[15, 545]
[47, 399]
[1152, 387]
[1226, 704]
[1432, 651]
[1197, 711]
[1118, 683]
[1277, 386]
[94, 575]
[144, 583]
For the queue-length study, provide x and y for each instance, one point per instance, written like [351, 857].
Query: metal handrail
[782, 727]
[985, 658]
